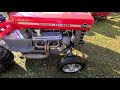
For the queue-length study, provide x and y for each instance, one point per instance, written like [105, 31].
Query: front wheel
[71, 64]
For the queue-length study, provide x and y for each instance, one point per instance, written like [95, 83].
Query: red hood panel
[60, 15]
[34, 19]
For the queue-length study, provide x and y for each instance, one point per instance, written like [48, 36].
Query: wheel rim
[72, 68]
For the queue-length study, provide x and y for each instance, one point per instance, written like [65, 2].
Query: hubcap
[72, 68]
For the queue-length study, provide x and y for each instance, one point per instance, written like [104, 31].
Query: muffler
[34, 56]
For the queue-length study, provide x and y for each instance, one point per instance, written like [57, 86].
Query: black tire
[71, 60]
[6, 58]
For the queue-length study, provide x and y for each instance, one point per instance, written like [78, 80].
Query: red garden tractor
[38, 34]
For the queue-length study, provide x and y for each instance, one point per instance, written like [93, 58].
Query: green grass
[101, 50]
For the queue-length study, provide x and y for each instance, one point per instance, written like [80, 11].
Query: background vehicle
[103, 15]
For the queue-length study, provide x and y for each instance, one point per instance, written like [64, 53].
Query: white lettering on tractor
[48, 24]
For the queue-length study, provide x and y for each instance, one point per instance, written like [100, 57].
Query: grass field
[101, 50]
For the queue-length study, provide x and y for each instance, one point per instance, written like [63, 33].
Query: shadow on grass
[100, 63]
[13, 71]
[108, 27]
[116, 14]
[103, 61]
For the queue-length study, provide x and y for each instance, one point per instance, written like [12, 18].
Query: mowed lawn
[101, 51]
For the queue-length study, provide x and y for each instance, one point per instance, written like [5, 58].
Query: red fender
[7, 28]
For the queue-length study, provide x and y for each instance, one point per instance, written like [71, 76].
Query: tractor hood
[52, 20]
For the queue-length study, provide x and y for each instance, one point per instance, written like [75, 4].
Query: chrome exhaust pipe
[34, 56]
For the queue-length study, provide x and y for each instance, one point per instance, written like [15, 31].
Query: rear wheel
[6, 58]
[71, 64]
